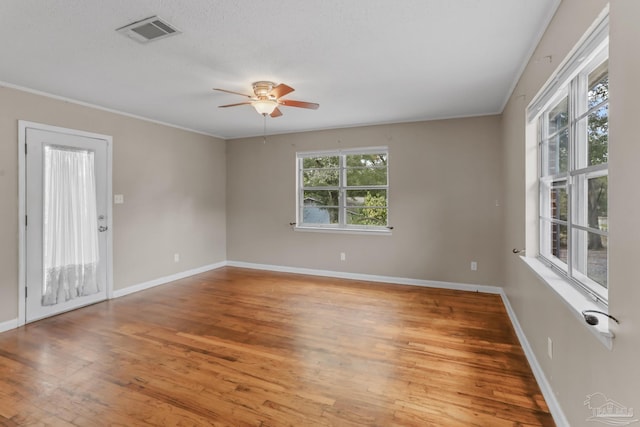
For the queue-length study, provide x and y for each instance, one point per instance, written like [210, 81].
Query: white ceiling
[363, 61]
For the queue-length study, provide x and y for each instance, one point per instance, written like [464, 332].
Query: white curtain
[71, 250]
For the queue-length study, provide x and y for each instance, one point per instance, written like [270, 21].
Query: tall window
[345, 189]
[573, 137]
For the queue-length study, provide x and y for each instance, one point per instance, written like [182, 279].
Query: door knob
[102, 228]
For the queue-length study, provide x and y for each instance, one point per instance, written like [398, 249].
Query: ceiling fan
[268, 97]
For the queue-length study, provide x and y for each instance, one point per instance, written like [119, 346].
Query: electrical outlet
[343, 256]
[474, 266]
[176, 257]
[549, 348]
[118, 199]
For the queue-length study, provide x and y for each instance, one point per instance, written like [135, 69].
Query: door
[66, 223]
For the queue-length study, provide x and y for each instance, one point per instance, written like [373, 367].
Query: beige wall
[445, 180]
[173, 182]
[581, 365]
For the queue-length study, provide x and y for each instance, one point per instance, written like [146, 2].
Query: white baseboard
[538, 373]
[370, 277]
[8, 325]
[166, 279]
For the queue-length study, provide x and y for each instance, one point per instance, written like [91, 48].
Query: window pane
[558, 201]
[591, 256]
[321, 162]
[597, 195]
[367, 216]
[366, 176]
[591, 199]
[317, 215]
[367, 160]
[599, 85]
[320, 198]
[376, 198]
[598, 135]
[558, 117]
[558, 240]
[321, 177]
[556, 154]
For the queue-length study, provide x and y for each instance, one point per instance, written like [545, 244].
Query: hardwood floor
[235, 347]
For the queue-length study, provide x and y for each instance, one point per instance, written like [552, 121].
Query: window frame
[341, 188]
[572, 83]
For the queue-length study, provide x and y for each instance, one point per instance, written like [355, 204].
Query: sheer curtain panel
[71, 250]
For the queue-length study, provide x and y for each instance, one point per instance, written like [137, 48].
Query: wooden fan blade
[276, 113]
[230, 91]
[281, 90]
[299, 104]
[234, 105]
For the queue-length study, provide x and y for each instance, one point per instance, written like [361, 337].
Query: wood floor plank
[237, 347]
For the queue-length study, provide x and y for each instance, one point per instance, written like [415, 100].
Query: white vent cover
[149, 29]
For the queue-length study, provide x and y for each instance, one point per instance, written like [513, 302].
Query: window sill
[573, 298]
[364, 231]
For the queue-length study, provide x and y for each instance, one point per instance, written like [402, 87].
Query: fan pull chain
[264, 131]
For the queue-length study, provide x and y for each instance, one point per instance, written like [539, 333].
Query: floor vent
[149, 29]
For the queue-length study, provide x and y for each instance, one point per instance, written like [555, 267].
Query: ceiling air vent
[149, 29]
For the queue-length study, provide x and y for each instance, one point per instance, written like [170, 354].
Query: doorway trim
[23, 125]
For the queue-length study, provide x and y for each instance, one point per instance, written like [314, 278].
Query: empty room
[336, 213]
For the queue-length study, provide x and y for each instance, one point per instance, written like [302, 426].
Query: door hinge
[25, 148]
[26, 291]
[26, 220]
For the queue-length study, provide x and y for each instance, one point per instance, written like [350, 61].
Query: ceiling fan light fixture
[266, 99]
[264, 106]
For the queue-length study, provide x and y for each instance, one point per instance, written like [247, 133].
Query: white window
[343, 190]
[573, 140]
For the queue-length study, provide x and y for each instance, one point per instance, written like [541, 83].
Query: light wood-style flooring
[237, 347]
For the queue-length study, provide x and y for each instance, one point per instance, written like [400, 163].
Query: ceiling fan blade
[230, 91]
[234, 105]
[276, 113]
[299, 104]
[281, 90]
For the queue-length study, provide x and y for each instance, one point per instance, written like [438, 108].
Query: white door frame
[23, 125]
